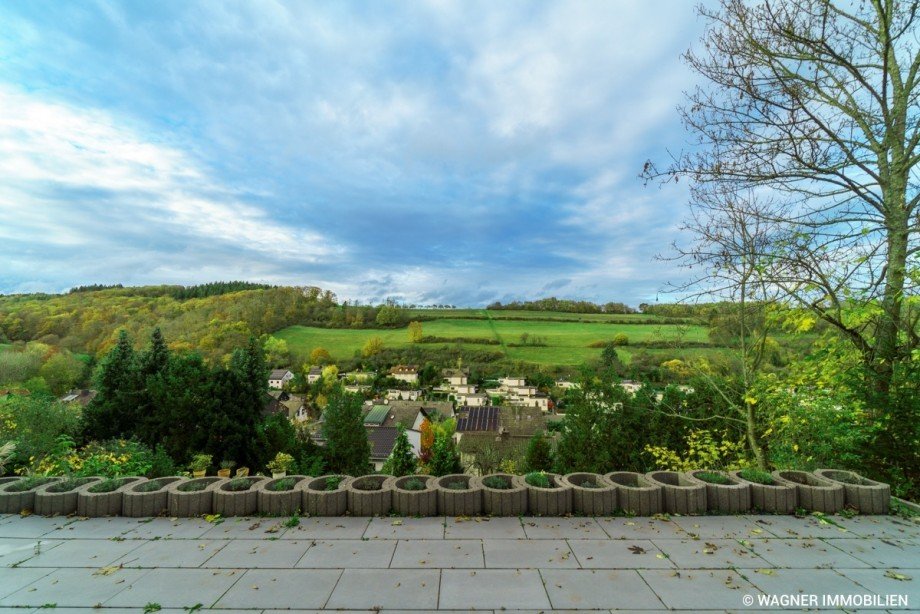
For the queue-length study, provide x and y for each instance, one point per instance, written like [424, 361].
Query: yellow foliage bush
[704, 451]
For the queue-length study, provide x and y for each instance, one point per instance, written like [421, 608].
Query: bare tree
[813, 104]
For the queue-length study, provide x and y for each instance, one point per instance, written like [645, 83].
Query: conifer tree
[113, 412]
[347, 448]
[402, 459]
[539, 455]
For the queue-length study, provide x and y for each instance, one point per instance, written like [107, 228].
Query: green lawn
[501, 314]
[566, 342]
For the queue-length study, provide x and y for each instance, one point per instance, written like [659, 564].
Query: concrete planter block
[511, 501]
[733, 498]
[553, 501]
[318, 501]
[636, 494]
[414, 502]
[597, 500]
[780, 497]
[98, 504]
[147, 504]
[816, 494]
[466, 501]
[868, 496]
[680, 494]
[280, 502]
[13, 501]
[8, 479]
[227, 502]
[369, 495]
[60, 498]
[183, 501]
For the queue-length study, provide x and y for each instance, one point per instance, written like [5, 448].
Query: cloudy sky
[430, 151]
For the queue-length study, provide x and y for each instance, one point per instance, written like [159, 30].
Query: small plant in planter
[28, 483]
[711, 477]
[333, 481]
[413, 484]
[280, 464]
[757, 476]
[60, 498]
[497, 482]
[200, 464]
[547, 495]
[539, 479]
[324, 495]
[107, 485]
[370, 495]
[149, 498]
[282, 485]
[149, 486]
[503, 494]
[193, 497]
[456, 485]
[194, 486]
[238, 484]
[226, 467]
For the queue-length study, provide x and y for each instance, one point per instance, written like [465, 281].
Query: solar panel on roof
[478, 419]
[377, 415]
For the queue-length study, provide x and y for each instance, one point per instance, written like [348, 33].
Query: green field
[567, 343]
[502, 314]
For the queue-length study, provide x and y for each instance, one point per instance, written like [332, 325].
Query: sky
[428, 151]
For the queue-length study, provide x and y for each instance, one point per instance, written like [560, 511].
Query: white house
[463, 388]
[314, 375]
[405, 373]
[456, 377]
[403, 395]
[512, 382]
[278, 378]
[473, 399]
[565, 384]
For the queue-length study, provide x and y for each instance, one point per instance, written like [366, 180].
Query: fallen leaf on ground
[637, 549]
[897, 576]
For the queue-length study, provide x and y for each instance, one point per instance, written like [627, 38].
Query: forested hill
[218, 319]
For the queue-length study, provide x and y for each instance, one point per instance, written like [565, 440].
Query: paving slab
[172, 553]
[888, 582]
[493, 589]
[879, 552]
[328, 528]
[737, 527]
[438, 554]
[16, 550]
[19, 577]
[348, 553]
[405, 528]
[414, 589]
[176, 588]
[795, 582]
[31, 526]
[810, 526]
[249, 554]
[169, 528]
[620, 554]
[710, 553]
[698, 589]
[641, 528]
[598, 589]
[483, 528]
[73, 587]
[528, 554]
[803, 554]
[563, 528]
[281, 588]
[246, 528]
[82, 553]
[883, 526]
[94, 528]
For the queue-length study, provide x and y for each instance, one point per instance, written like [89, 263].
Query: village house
[538, 400]
[403, 395]
[359, 376]
[473, 399]
[282, 402]
[314, 375]
[405, 373]
[383, 439]
[512, 382]
[565, 384]
[456, 377]
[80, 397]
[278, 378]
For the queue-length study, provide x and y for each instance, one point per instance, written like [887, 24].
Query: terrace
[500, 564]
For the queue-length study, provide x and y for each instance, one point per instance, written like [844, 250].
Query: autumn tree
[320, 356]
[813, 103]
[372, 347]
[415, 332]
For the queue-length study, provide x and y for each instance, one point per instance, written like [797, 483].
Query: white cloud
[50, 152]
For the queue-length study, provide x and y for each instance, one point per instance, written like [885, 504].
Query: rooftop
[477, 419]
[428, 564]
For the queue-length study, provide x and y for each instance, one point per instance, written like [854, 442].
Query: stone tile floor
[698, 564]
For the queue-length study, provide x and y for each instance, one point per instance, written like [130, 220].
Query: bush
[238, 484]
[620, 339]
[414, 484]
[114, 458]
[109, 485]
[283, 484]
[333, 481]
[538, 479]
[539, 456]
[28, 484]
[712, 478]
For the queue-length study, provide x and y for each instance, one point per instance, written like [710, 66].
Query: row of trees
[563, 305]
[176, 402]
